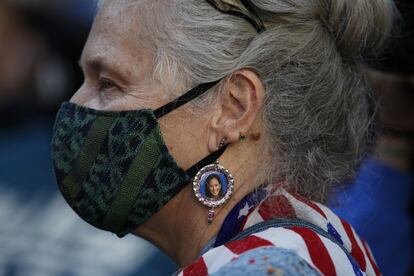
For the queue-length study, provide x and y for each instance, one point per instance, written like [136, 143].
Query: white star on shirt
[244, 211]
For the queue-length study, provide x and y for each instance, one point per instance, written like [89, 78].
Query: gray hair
[315, 113]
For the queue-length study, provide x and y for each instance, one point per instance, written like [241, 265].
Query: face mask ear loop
[182, 100]
[210, 159]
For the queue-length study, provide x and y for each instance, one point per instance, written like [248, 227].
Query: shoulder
[268, 260]
[262, 260]
[293, 249]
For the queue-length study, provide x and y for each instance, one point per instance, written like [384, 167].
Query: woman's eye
[105, 84]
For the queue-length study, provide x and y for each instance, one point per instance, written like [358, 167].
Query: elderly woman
[275, 105]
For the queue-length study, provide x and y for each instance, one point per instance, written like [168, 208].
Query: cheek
[185, 136]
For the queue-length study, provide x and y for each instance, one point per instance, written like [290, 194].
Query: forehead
[213, 180]
[119, 36]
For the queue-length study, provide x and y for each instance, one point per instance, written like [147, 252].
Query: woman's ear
[240, 102]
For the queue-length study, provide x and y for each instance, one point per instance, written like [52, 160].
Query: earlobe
[217, 133]
[212, 143]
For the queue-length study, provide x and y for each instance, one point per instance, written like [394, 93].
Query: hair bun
[360, 27]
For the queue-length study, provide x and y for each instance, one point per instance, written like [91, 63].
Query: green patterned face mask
[113, 168]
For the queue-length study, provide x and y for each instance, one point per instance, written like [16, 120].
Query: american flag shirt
[322, 254]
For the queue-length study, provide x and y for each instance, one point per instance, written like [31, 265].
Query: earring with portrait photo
[213, 186]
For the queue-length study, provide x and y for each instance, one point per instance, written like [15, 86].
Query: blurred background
[40, 44]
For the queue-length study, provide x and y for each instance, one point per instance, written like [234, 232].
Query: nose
[84, 97]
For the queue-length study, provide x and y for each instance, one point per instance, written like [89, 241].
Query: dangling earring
[242, 137]
[213, 185]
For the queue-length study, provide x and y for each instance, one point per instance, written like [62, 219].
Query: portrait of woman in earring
[213, 187]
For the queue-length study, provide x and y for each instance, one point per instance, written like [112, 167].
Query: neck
[180, 229]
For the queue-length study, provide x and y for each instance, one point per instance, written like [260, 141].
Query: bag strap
[288, 223]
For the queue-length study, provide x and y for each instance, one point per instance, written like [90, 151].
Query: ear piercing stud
[222, 143]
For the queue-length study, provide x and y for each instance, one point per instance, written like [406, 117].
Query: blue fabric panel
[267, 261]
[377, 205]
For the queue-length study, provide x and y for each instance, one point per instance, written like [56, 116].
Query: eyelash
[106, 84]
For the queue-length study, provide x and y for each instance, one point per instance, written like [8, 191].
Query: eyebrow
[101, 64]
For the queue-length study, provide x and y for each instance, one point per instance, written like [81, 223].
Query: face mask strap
[182, 100]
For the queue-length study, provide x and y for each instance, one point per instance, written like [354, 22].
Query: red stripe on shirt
[277, 206]
[244, 221]
[199, 268]
[310, 204]
[371, 259]
[356, 251]
[251, 242]
[317, 251]
[281, 184]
